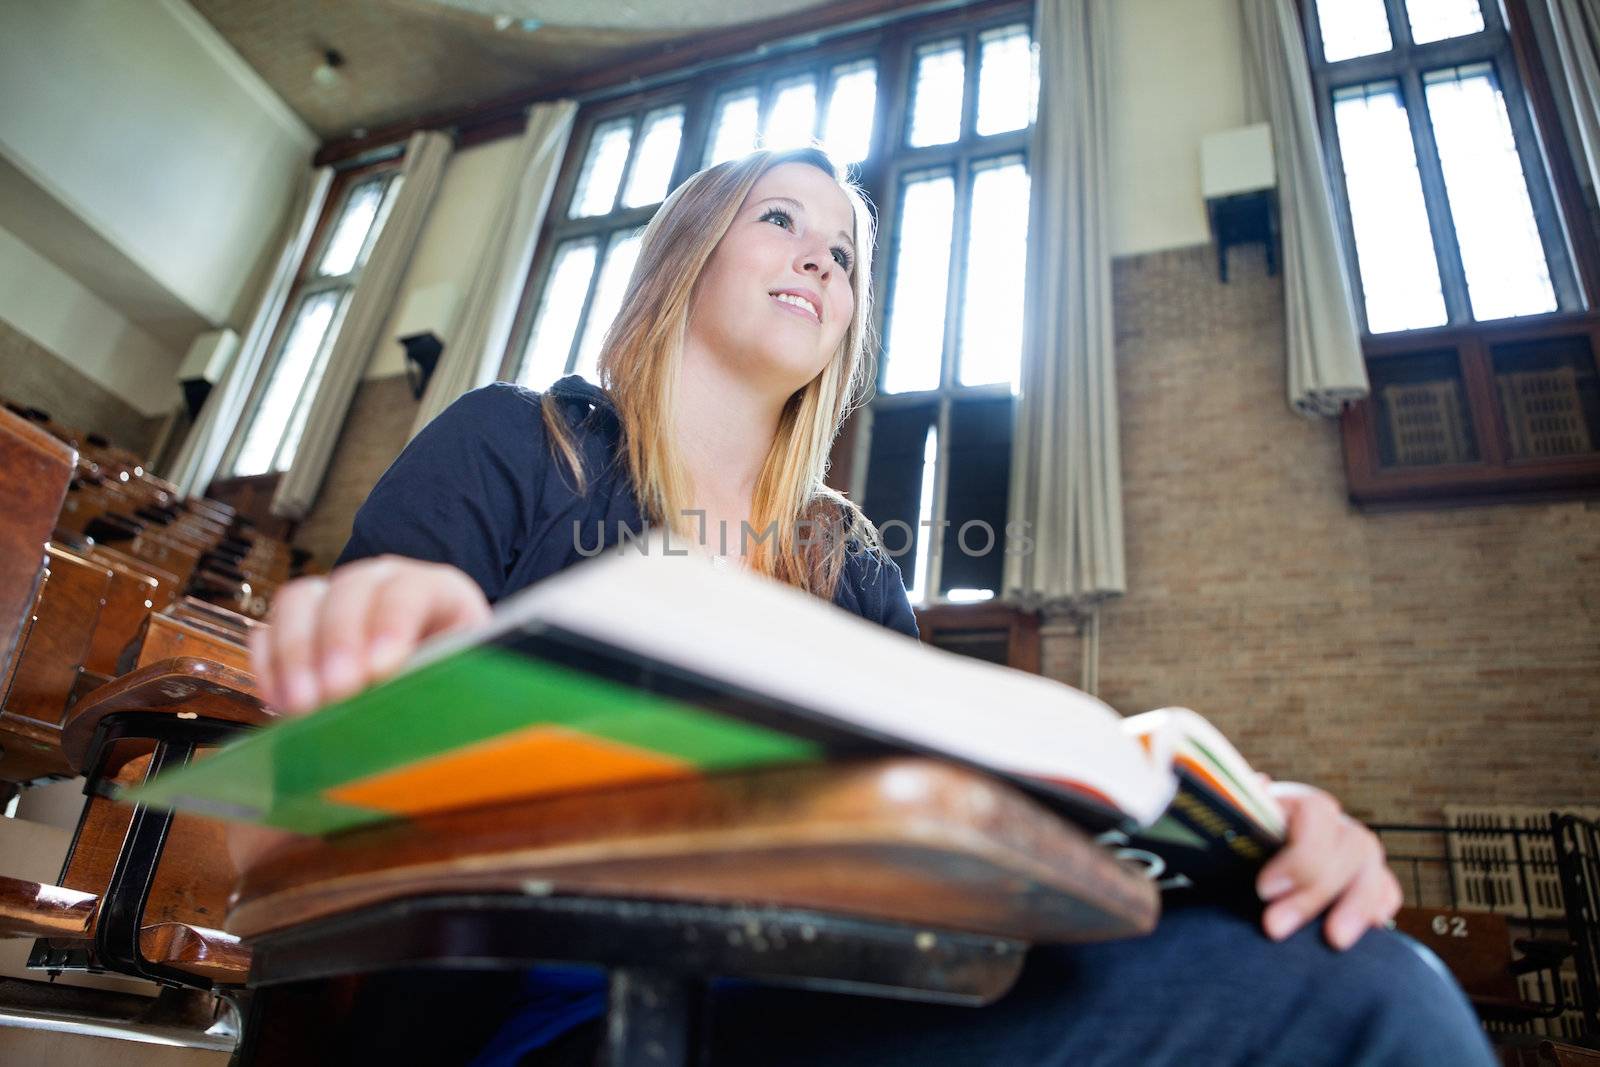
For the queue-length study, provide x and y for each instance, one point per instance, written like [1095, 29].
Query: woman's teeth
[800, 302]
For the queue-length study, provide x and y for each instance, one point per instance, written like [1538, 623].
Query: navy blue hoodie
[480, 489]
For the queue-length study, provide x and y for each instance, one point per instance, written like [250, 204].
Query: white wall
[447, 250]
[48, 305]
[1177, 74]
[147, 126]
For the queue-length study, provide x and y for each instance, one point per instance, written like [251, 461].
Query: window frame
[961, 158]
[307, 284]
[1405, 63]
[1495, 476]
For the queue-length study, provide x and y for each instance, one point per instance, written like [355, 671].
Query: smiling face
[775, 298]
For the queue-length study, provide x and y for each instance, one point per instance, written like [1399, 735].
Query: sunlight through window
[1500, 248]
[915, 335]
[852, 104]
[1352, 28]
[937, 95]
[1394, 241]
[792, 123]
[923, 570]
[735, 128]
[1438, 20]
[608, 293]
[350, 235]
[602, 168]
[559, 310]
[657, 155]
[997, 251]
[1005, 80]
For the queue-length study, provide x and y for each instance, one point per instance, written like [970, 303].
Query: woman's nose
[815, 261]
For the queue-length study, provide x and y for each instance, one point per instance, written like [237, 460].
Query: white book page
[728, 624]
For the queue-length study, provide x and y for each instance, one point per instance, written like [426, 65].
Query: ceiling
[404, 59]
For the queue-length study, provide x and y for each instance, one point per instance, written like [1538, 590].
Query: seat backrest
[35, 470]
[1475, 945]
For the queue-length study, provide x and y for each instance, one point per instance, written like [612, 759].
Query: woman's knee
[1399, 1003]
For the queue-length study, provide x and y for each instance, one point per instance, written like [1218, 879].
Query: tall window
[933, 114]
[1453, 187]
[1450, 209]
[934, 467]
[283, 395]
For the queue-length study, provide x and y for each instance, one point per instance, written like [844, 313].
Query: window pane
[977, 489]
[1422, 410]
[997, 250]
[899, 490]
[792, 122]
[1435, 20]
[559, 310]
[1005, 80]
[657, 155]
[915, 334]
[852, 104]
[734, 133]
[1550, 395]
[608, 293]
[602, 168]
[1353, 28]
[940, 85]
[1500, 248]
[350, 232]
[921, 570]
[309, 388]
[311, 328]
[1394, 241]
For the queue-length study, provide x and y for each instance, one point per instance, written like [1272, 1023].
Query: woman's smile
[799, 302]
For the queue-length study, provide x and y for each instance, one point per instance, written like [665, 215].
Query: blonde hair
[643, 351]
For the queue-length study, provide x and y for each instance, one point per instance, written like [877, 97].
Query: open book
[641, 666]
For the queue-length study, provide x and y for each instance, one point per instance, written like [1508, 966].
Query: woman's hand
[1329, 858]
[331, 636]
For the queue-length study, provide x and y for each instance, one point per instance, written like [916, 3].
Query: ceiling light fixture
[327, 72]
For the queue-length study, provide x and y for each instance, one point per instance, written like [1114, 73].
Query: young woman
[738, 351]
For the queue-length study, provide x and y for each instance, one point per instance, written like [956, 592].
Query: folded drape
[474, 349]
[1323, 339]
[1066, 481]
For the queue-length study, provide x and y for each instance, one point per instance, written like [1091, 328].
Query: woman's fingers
[1329, 858]
[284, 658]
[341, 638]
[1322, 855]
[331, 636]
[1370, 899]
[410, 607]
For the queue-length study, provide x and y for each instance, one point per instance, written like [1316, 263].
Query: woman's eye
[775, 213]
[842, 257]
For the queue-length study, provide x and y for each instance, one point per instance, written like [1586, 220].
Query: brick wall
[374, 433]
[32, 374]
[1401, 660]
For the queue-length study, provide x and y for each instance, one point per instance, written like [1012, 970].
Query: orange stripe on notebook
[538, 761]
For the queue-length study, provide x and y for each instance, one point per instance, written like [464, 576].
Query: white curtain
[473, 352]
[1325, 365]
[370, 305]
[197, 462]
[1575, 24]
[1324, 341]
[1066, 481]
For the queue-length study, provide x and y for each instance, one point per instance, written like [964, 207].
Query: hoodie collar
[574, 388]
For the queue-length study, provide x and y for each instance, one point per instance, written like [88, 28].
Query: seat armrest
[34, 909]
[184, 685]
